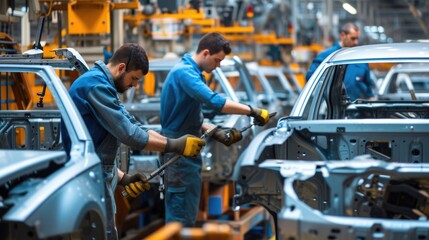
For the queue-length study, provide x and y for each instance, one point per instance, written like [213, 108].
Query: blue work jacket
[357, 79]
[319, 59]
[183, 94]
[109, 123]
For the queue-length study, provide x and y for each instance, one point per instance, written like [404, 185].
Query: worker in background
[357, 80]
[95, 94]
[183, 94]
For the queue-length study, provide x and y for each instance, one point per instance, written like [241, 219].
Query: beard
[206, 68]
[119, 83]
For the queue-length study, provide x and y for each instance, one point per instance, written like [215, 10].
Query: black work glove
[260, 116]
[187, 145]
[227, 136]
[134, 184]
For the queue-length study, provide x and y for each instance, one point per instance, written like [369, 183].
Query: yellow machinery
[14, 86]
[188, 21]
[84, 17]
[89, 16]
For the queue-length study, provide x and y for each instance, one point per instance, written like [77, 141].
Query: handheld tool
[155, 173]
[250, 125]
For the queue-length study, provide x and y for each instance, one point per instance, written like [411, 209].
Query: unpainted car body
[274, 80]
[363, 199]
[240, 78]
[325, 125]
[406, 81]
[44, 193]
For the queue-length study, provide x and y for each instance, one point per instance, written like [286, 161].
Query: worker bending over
[95, 95]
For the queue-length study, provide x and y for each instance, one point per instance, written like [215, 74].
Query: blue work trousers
[182, 189]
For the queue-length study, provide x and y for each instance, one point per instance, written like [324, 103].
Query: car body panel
[344, 215]
[38, 189]
[276, 84]
[324, 125]
[245, 88]
[404, 80]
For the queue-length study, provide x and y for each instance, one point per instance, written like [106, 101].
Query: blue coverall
[357, 79]
[183, 93]
[96, 98]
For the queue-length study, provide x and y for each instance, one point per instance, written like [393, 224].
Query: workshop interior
[333, 146]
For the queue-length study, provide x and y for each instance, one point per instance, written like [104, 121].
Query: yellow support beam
[203, 22]
[125, 5]
[229, 30]
[183, 14]
[271, 39]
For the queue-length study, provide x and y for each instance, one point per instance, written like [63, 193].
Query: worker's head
[349, 35]
[128, 65]
[211, 50]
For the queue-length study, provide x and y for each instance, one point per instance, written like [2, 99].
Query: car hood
[16, 163]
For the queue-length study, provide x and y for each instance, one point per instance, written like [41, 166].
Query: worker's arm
[261, 116]
[369, 93]
[156, 142]
[232, 107]
[187, 145]
[110, 112]
[120, 174]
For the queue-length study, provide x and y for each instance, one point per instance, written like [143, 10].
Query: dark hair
[348, 26]
[133, 55]
[214, 42]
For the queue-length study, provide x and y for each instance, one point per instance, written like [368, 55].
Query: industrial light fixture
[349, 8]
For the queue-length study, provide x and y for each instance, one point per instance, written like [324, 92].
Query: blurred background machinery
[268, 31]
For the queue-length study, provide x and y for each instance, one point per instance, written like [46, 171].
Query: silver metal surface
[325, 126]
[39, 181]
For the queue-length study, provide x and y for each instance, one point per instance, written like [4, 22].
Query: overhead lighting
[349, 8]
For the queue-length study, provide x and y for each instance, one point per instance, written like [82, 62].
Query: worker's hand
[134, 184]
[227, 136]
[187, 145]
[260, 116]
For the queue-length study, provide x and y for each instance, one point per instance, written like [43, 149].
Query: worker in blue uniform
[183, 94]
[357, 79]
[95, 95]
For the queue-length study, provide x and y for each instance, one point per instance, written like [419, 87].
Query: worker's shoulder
[184, 69]
[90, 79]
[325, 53]
[94, 72]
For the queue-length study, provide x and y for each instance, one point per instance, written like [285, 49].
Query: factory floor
[143, 218]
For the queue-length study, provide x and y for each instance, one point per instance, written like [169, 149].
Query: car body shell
[340, 218]
[39, 183]
[324, 125]
[273, 79]
[404, 80]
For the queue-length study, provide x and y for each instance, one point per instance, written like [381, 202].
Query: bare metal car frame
[325, 125]
[43, 193]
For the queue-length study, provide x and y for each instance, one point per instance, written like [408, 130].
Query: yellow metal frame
[85, 17]
[234, 30]
[125, 5]
[62, 4]
[197, 17]
[271, 38]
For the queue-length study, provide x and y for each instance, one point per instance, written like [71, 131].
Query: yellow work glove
[187, 145]
[260, 116]
[227, 136]
[134, 184]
